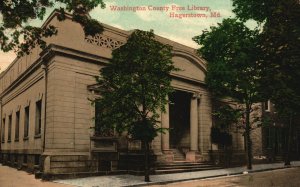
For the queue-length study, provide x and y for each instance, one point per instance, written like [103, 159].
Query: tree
[280, 62]
[17, 34]
[231, 52]
[133, 86]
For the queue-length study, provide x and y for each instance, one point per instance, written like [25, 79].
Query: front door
[179, 119]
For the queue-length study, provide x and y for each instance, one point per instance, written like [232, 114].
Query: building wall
[24, 151]
[69, 111]
[27, 93]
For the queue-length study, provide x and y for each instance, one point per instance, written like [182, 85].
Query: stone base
[205, 157]
[62, 163]
[165, 156]
[193, 156]
[24, 161]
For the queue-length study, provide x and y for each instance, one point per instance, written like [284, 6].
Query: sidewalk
[130, 180]
[11, 177]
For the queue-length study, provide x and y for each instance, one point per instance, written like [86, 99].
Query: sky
[155, 14]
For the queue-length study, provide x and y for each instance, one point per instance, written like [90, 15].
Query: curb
[210, 177]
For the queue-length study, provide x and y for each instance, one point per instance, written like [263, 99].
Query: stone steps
[184, 163]
[184, 167]
[179, 167]
[178, 155]
[169, 171]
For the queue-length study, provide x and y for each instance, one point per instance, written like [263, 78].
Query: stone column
[205, 123]
[193, 154]
[165, 138]
[156, 143]
[194, 123]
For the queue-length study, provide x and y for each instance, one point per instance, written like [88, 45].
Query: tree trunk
[147, 175]
[287, 160]
[248, 138]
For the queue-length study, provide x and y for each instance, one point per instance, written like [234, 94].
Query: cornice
[188, 80]
[22, 77]
[57, 50]
[192, 57]
[46, 56]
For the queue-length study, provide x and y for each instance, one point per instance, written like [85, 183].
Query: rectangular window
[3, 130]
[26, 122]
[38, 117]
[9, 128]
[17, 127]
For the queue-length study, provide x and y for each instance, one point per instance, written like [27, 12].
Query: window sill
[25, 138]
[8, 141]
[16, 139]
[37, 136]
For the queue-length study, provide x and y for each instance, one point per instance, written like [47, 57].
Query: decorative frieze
[104, 41]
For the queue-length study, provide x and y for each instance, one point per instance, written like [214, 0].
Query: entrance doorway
[179, 109]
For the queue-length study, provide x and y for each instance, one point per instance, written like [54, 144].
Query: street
[279, 178]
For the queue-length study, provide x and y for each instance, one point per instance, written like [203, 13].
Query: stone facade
[59, 79]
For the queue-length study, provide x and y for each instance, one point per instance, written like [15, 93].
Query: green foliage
[134, 85]
[257, 10]
[280, 62]
[280, 45]
[232, 52]
[226, 116]
[232, 55]
[15, 34]
[262, 10]
[144, 130]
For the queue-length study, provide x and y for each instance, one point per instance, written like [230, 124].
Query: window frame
[3, 130]
[26, 122]
[9, 128]
[17, 126]
[38, 118]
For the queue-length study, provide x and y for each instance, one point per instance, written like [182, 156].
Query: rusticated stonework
[103, 41]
